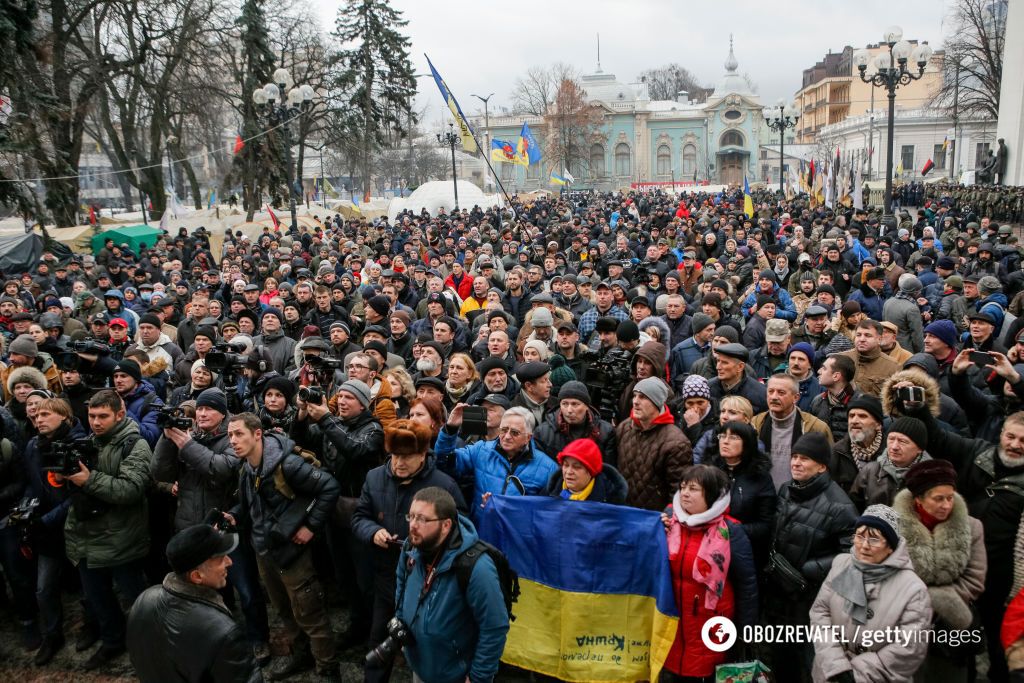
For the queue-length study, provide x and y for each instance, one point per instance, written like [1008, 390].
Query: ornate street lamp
[892, 72]
[281, 104]
[780, 118]
[450, 139]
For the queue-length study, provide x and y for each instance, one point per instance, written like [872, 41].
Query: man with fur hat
[652, 450]
[23, 352]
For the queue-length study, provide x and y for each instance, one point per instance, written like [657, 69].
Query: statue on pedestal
[999, 171]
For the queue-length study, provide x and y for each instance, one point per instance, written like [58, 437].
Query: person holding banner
[713, 570]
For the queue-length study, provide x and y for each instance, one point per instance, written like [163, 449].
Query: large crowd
[826, 409]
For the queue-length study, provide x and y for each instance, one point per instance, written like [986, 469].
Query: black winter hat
[131, 368]
[868, 404]
[912, 428]
[150, 319]
[815, 446]
[575, 389]
[213, 398]
[282, 384]
[627, 331]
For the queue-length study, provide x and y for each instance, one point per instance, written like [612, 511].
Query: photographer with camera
[352, 444]
[379, 522]
[140, 399]
[181, 630]
[284, 501]
[454, 634]
[199, 460]
[106, 534]
[57, 425]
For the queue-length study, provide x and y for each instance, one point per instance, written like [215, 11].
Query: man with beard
[863, 441]
[469, 645]
[494, 379]
[431, 361]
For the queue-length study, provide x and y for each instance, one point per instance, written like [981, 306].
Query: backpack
[280, 483]
[507, 577]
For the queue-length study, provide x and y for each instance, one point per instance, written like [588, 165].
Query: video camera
[172, 417]
[68, 455]
[607, 377]
[321, 363]
[223, 358]
[71, 361]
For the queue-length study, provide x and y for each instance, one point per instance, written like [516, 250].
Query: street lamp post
[892, 72]
[450, 139]
[270, 100]
[780, 118]
[487, 122]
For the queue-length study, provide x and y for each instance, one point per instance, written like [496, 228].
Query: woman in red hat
[583, 475]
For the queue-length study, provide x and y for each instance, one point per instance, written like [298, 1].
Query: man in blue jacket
[509, 465]
[457, 634]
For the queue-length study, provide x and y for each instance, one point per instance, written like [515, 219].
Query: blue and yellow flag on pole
[748, 201]
[465, 132]
[557, 179]
[596, 600]
[505, 152]
[528, 147]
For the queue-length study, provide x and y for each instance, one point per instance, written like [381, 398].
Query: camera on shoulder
[67, 456]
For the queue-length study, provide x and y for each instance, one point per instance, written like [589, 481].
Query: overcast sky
[480, 46]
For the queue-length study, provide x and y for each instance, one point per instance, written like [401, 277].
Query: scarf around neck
[711, 568]
[862, 455]
[851, 584]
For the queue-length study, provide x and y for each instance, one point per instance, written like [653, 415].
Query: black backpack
[507, 577]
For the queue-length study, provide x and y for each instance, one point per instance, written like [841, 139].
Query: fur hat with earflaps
[26, 375]
[405, 437]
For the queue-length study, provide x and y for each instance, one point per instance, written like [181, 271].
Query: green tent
[134, 235]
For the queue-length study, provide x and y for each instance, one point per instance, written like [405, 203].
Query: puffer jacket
[814, 522]
[54, 501]
[116, 530]
[652, 459]
[457, 635]
[688, 655]
[898, 602]
[491, 468]
[258, 509]
[179, 632]
[609, 487]
[143, 408]
[554, 434]
[206, 470]
[753, 501]
[383, 504]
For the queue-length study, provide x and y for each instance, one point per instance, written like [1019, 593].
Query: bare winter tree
[535, 92]
[571, 123]
[973, 64]
[665, 82]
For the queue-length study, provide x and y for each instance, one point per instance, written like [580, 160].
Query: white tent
[440, 193]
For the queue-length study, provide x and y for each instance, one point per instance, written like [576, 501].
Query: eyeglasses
[869, 541]
[514, 433]
[357, 366]
[420, 519]
[729, 437]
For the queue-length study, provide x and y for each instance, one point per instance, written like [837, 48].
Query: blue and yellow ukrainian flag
[505, 152]
[212, 199]
[528, 147]
[597, 601]
[748, 201]
[557, 179]
[465, 132]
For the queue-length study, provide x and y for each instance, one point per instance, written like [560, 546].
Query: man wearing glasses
[509, 465]
[366, 369]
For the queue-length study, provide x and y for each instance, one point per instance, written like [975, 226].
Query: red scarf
[928, 520]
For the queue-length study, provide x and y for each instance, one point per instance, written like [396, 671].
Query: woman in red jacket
[713, 570]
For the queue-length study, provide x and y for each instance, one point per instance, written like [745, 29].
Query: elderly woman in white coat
[881, 606]
[947, 547]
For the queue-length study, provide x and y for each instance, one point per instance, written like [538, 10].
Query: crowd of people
[824, 407]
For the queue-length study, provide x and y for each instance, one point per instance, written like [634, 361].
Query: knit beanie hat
[695, 386]
[213, 398]
[574, 389]
[24, 345]
[130, 368]
[869, 404]
[358, 389]
[270, 310]
[380, 303]
[804, 348]
[927, 474]
[654, 390]
[944, 330]
[885, 520]
[910, 284]
[282, 384]
[560, 373]
[207, 331]
[700, 322]
[815, 446]
[587, 452]
[627, 331]
[728, 332]
[912, 428]
[150, 319]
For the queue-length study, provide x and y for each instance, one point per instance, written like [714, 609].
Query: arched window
[689, 160]
[664, 160]
[597, 169]
[622, 165]
[732, 138]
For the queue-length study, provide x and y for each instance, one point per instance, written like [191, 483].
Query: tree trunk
[193, 182]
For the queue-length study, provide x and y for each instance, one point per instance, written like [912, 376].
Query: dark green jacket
[120, 532]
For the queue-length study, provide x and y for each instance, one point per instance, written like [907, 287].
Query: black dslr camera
[21, 515]
[398, 635]
[67, 455]
[171, 417]
[312, 394]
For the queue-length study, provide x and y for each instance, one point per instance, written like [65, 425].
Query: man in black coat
[181, 630]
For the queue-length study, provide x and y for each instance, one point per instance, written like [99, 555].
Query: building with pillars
[640, 140]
